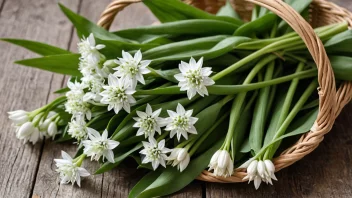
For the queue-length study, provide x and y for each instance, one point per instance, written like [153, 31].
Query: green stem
[232, 89]
[78, 160]
[201, 139]
[272, 147]
[283, 44]
[238, 102]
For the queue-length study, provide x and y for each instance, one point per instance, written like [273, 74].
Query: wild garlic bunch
[199, 91]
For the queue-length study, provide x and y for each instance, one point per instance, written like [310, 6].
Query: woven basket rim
[331, 101]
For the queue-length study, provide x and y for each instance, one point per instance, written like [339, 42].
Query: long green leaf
[205, 27]
[62, 64]
[37, 47]
[219, 49]
[260, 25]
[183, 11]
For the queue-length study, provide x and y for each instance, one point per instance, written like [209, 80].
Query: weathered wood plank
[25, 88]
[118, 182]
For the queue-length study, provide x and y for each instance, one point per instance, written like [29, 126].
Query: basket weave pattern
[331, 101]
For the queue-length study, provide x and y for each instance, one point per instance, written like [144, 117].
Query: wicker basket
[331, 100]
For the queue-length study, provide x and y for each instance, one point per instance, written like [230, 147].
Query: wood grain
[25, 88]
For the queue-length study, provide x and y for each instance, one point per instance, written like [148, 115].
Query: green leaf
[302, 124]
[62, 64]
[181, 46]
[99, 122]
[219, 49]
[120, 157]
[178, 10]
[204, 27]
[245, 147]
[144, 183]
[62, 90]
[227, 10]
[300, 6]
[340, 44]
[258, 26]
[274, 117]
[171, 180]
[85, 27]
[259, 115]
[342, 66]
[37, 47]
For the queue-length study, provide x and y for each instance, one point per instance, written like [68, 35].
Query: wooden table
[28, 171]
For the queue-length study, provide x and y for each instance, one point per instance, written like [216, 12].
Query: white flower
[132, 68]
[154, 152]
[148, 122]
[76, 90]
[28, 132]
[78, 108]
[99, 145]
[19, 116]
[194, 78]
[259, 171]
[117, 94]
[221, 163]
[181, 122]
[77, 129]
[69, 171]
[95, 84]
[89, 50]
[179, 157]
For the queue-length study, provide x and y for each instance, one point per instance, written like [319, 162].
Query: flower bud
[19, 116]
[25, 130]
[224, 158]
[269, 166]
[182, 153]
[52, 129]
[252, 168]
[261, 169]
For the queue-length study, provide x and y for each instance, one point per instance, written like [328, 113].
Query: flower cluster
[221, 163]
[33, 126]
[180, 122]
[259, 171]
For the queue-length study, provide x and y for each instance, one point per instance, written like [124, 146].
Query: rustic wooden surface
[28, 171]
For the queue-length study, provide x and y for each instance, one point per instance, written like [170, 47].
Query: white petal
[66, 156]
[138, 56]
[180, 109]
[110, 156]
[83, 172]
[200, 63]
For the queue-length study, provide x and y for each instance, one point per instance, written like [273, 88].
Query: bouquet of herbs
[197, 91]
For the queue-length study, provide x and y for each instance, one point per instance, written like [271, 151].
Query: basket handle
[108, 15]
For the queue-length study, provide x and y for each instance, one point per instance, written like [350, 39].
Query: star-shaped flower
[69, 170]
[193, 78]
[99, 145]
[118, 94]
[181, 122]
[132, 68]
[154, 152]
[148, 122]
